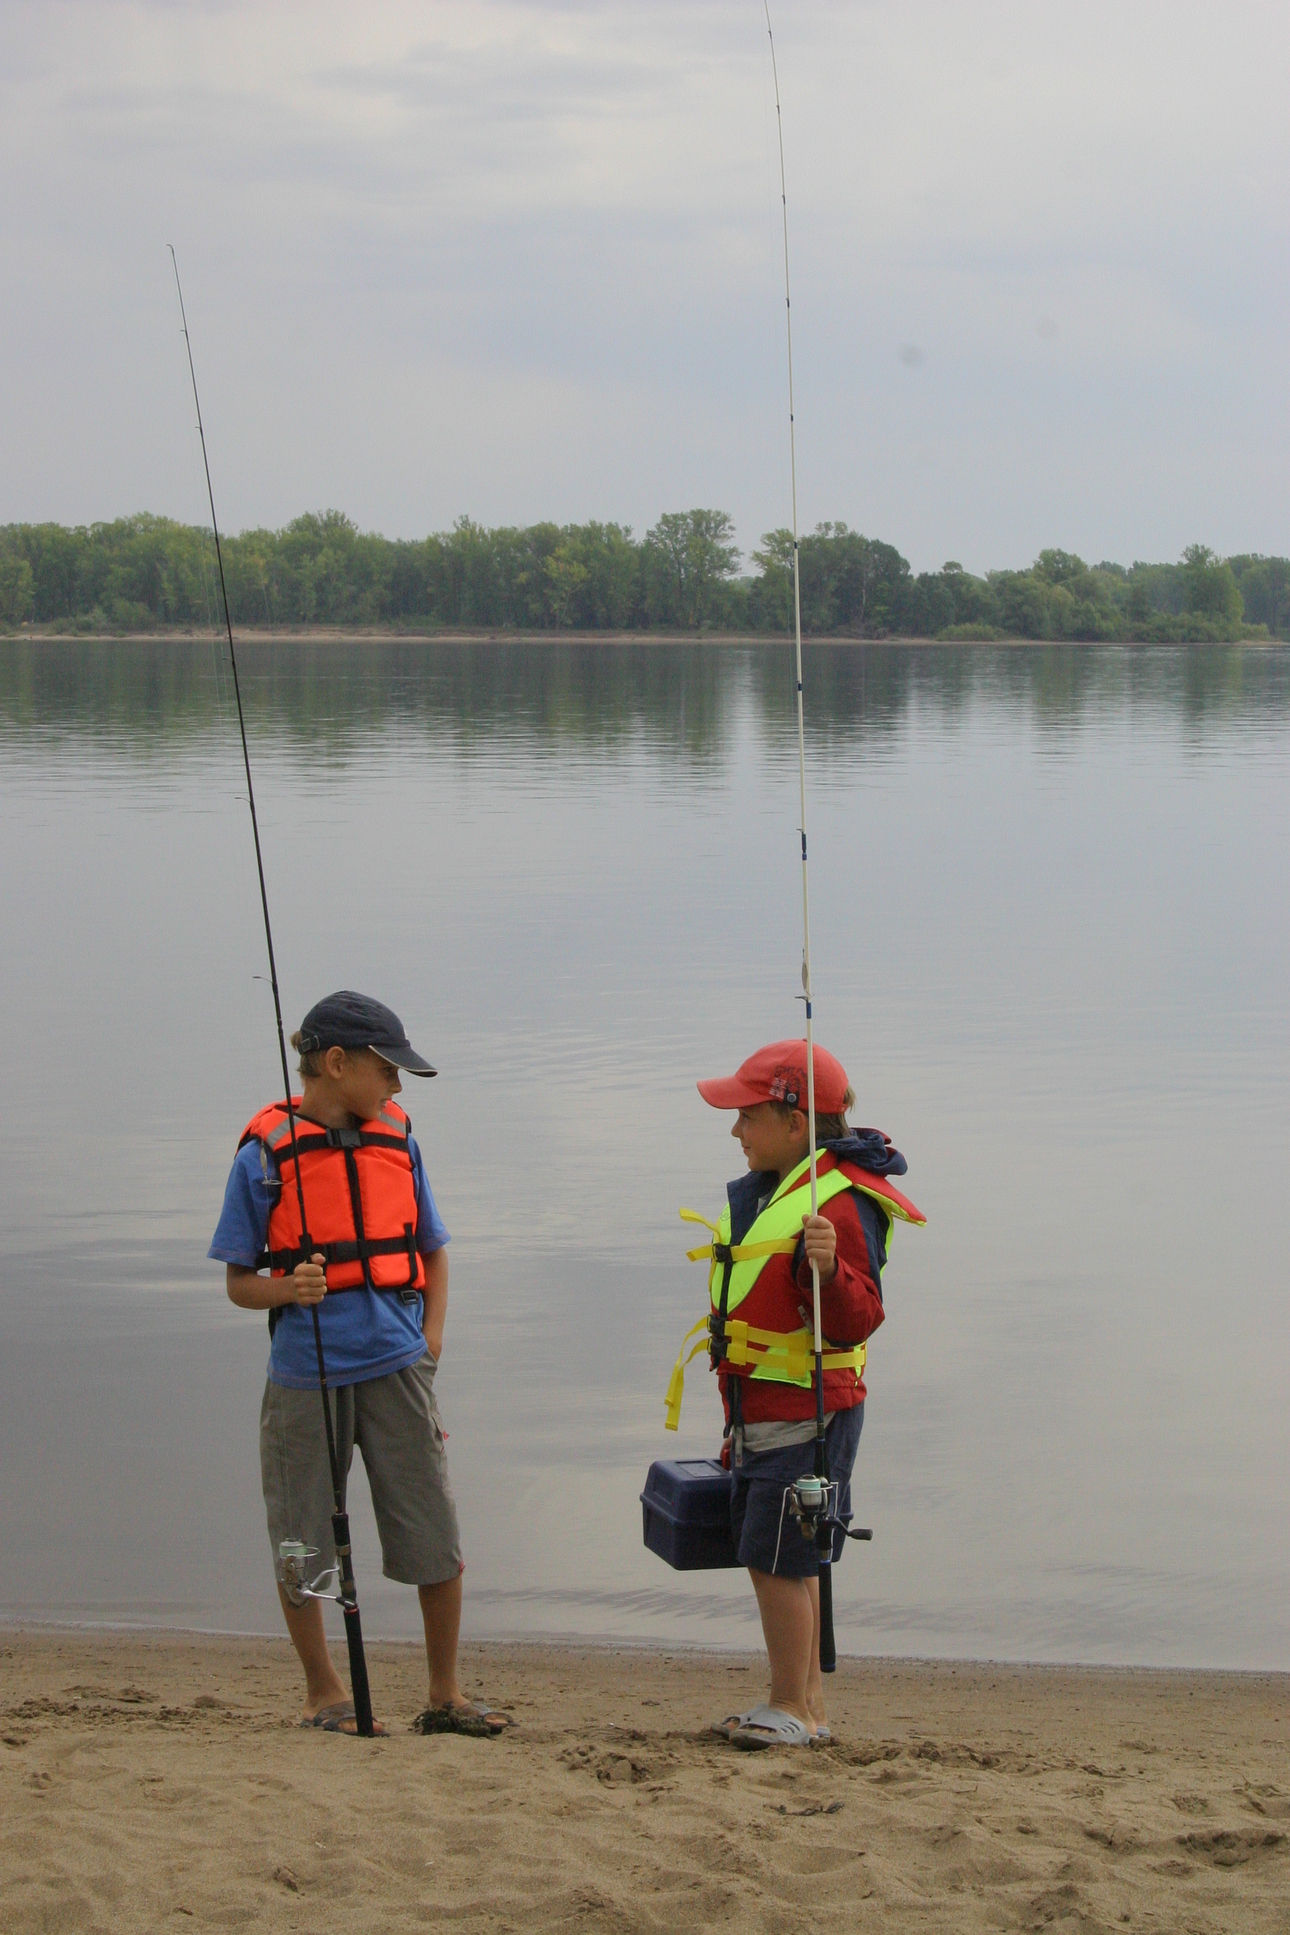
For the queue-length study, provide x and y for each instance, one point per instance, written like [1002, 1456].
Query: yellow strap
[787, 1355]
[739, 1252]
[693, 1216]
[791, 1353]
[676, 1383]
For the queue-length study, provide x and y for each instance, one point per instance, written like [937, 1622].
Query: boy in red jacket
[763, 1337]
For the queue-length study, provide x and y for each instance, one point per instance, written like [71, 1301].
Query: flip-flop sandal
[724, 1729]
[769, 1727]
[822, 1737]
[472, 1720]
[332, 1719]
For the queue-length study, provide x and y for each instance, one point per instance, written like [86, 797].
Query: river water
[1051, 942]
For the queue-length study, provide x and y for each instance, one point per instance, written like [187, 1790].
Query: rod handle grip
[358, 1673]
[359, 1688]
[828, 1651]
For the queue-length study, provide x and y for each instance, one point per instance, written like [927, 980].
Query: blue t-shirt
[365, 1333]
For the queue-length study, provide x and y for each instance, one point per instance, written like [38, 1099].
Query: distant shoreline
[388, 634]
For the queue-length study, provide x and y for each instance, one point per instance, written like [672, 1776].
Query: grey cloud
[527, 263]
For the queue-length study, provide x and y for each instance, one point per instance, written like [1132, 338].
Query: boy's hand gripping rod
[347, 1594]
[824, 1529]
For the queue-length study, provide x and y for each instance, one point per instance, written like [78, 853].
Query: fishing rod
[824, 1529]
[347, 1594]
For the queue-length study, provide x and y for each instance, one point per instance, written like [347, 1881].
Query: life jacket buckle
[344, 1139]
[722, 1253]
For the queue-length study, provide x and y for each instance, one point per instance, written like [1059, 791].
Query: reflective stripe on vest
[360, 1199]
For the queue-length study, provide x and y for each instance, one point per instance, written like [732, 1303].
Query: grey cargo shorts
[395, 1423]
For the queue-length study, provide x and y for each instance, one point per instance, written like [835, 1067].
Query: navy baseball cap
[348, 1020]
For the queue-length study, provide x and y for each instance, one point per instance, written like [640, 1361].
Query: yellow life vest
[784, 1357]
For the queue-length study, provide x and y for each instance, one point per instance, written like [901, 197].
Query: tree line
[686, 574]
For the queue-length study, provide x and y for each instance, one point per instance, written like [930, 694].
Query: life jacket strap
[734, 1252]
[788, 1357]
[347, 1252]
[309, 1141]
[676, 1383]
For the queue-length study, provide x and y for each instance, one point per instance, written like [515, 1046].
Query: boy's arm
[434, 1299]
[242, 1235]
[250, 1291]
[432, 1242]
[850, 1294]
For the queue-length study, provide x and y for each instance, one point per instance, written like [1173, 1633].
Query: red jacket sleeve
[850, 1303]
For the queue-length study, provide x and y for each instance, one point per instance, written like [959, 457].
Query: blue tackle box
[686, 1510]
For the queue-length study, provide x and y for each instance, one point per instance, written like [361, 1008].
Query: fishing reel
[812, 1501]
[294, 1555]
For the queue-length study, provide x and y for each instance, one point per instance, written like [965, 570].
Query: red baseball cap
[778, 1074]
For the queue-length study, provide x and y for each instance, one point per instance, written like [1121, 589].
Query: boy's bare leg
[323, 1687]
[789, 1623]
[441, 1616]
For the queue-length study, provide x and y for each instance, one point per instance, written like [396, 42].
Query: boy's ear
[334, 1063]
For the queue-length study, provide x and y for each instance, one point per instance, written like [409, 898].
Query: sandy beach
[157, 1781]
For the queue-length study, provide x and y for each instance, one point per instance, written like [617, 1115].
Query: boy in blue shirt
[375, 1269]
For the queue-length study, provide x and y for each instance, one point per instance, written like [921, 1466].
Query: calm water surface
[1052, 945]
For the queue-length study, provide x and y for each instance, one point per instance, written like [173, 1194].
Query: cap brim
[405, 1058]
[728, 1092]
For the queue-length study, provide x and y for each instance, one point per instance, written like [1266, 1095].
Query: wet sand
[159, 1781]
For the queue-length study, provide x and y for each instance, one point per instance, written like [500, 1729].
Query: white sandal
[770, 1727]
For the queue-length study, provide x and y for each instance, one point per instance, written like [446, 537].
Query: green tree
[974, 601]
[689, 557]
[17, 591]
[1022, 603]
[613, 574]
[850, 583]
[771, 595]
[594, 573]
[1058, 567]
[1264, 585]
[568, 578]
[1211, 588]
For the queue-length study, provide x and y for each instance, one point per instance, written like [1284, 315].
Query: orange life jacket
[360, 1198]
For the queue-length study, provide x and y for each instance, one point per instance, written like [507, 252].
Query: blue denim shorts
[766, 1534]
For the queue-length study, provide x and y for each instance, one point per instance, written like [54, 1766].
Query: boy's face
[360, 1080]
[770, 1139]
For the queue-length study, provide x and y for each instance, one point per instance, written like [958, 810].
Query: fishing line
[348, 1594]
[824, 1536]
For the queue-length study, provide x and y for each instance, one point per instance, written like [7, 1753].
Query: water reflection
[1051, 930]
[556, 695]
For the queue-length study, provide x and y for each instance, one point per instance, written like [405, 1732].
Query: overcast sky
[522, 261]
